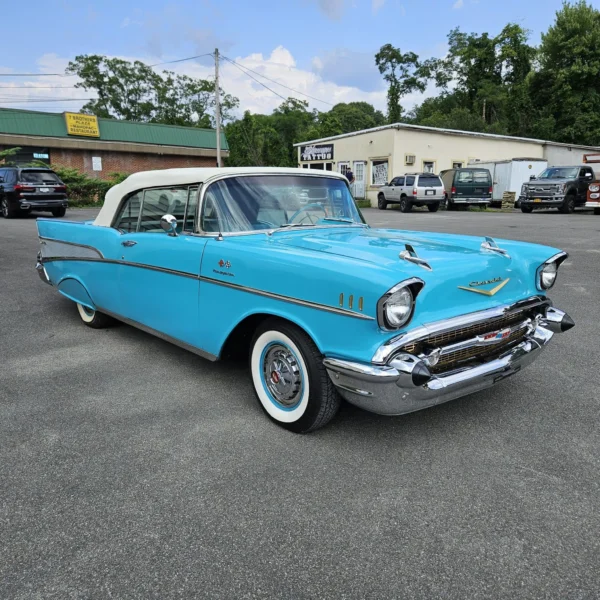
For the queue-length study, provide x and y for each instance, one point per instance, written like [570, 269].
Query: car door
[586, 176]
[158, 274]
[389, 191]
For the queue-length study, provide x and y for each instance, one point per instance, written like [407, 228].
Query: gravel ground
[130, 468]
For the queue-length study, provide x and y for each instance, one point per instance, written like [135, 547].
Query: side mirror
[532, 177]
[169, 224]
[588, 175]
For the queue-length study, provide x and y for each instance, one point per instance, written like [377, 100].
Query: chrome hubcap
[4, 207]
[88, 311]
[282, 376]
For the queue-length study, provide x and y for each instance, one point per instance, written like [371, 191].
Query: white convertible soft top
[169, 177]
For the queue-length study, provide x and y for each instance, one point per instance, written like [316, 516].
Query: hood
[456, 261]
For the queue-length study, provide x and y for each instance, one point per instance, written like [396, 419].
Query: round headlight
[398, 307]
[548, 275]
[594, 188]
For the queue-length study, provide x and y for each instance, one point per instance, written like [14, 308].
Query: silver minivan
[412, 189]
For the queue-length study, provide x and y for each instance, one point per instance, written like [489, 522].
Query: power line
[48, 100]
[251, 77]
[36, 75]
[37, 87]
[277, 82]
[170, 62]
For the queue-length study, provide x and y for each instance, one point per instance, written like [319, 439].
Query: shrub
[84, 190]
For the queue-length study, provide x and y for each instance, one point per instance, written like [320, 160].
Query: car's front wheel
[597, 211]
[568, 205]
[526, 209]
[93, 318]
[290, 380]
[381, 203]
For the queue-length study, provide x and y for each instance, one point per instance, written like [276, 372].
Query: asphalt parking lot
[130, 468]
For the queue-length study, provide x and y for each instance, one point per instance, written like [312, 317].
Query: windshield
[39, 177]
[559, 173]
[254, 203]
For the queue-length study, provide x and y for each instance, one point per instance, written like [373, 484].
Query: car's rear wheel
[405, 205]
[381, 203]
[93, 318]
[526, 209]
[568, 205]
[290, 380]
[59, 212]
[433, 207]
[8, 212]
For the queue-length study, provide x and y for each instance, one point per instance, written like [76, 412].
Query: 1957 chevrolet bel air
[280, 263]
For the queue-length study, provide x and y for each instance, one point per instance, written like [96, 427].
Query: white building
[379, 154]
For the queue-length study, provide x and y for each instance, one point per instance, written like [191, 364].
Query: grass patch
[363, 203]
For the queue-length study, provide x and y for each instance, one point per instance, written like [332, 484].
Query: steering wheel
[307, 216]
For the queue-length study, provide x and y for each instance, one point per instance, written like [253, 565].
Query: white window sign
[97, 163]
[379, 172]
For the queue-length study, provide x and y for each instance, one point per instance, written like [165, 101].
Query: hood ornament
[491, 246]
[411, 256]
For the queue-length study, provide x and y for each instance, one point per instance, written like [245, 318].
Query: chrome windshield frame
[206, 184]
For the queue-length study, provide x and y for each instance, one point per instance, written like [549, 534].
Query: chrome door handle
[128, 243]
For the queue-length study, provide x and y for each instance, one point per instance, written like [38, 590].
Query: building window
[457, 164]
[316, 166]
[379, 172]
[428, 166]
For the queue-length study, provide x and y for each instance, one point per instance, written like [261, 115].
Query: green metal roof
[29, 122]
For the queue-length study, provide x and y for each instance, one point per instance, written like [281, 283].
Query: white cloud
[279, 66]
[376, 5]
[333, 9]
[458, 4]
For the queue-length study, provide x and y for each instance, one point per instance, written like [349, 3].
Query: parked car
[216, 260]
[467, 187]
[25, 189]
[412, 189]
[564, 188]
[593, 197]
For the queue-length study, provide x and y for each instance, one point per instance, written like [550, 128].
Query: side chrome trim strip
[243, 288]
[384, 351]
[307, 303]
[159, 334]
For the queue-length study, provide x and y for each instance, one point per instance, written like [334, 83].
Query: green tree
[565, 92]
[403, 75]
[135, 92]
[6, 155]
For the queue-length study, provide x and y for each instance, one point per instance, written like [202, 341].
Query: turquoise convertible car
[279, 263]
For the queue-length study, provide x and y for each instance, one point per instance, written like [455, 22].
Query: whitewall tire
[290, 381]
[93, 318]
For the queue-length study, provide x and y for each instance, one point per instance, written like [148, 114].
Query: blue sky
[324, 48]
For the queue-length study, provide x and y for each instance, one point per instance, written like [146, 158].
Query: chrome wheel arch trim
[386, 350]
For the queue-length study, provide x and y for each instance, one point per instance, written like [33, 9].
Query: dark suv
[564, 188]
[25, 189]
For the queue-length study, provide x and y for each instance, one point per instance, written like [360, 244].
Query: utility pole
[217, 107]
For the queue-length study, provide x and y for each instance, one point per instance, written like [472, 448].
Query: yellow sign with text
[85, 125]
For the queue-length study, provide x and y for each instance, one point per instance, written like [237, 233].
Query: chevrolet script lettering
[476, 284]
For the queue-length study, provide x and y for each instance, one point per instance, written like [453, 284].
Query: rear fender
[73, 289]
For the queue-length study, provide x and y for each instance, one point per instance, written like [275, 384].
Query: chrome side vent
[410, 255]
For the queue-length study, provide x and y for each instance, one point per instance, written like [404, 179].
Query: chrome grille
[476, 353]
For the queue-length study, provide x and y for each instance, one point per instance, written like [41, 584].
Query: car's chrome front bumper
[396, 388]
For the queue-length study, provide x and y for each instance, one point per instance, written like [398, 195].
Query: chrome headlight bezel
[594, 187]
[413, 286]
[551, 265]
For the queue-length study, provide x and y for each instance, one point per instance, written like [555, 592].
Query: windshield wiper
[295, 225]
[340, 220]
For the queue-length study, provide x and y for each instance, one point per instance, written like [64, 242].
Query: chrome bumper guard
[41, 271]
[405, 384]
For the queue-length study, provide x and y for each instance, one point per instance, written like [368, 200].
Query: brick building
[99, 147]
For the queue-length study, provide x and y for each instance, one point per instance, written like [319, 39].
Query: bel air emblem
[476, 284]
